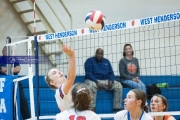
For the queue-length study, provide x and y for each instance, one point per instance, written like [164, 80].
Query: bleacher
[104, 102]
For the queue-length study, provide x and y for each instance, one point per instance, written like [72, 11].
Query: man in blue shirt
[99, 75]
[3, 61]
[15, 69]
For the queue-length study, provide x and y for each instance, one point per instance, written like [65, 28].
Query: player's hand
[99, 85]
[67, 49]
[110, 83]
[4, 70]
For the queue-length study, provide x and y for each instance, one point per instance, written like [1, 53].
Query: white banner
[111, 27]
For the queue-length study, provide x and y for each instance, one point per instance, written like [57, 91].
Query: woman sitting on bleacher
[81, 97]
[129, 69]
[159, 104]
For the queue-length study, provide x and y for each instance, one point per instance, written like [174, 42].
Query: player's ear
[139, 102]
[164, 107]
[52, 82]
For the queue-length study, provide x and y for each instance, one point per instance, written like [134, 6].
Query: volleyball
[95, 20]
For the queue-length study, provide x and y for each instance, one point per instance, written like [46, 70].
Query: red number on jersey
[71, 117]
[78, 118]
[81, 118]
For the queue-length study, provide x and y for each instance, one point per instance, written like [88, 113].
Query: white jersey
[71, 114]
[123, 115]
[63, 101]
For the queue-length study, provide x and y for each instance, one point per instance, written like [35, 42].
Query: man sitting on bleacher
[100, 75]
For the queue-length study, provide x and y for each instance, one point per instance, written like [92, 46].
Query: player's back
[71, 114]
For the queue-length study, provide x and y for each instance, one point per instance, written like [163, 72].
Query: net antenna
[10, 69]
[8, 53]
[29, 76]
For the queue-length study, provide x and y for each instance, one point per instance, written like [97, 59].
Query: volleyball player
[135, 107]
[81, 97]
[160, 104]
[57, 81]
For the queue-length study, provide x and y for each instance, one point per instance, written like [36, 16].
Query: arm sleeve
[138, 69]
[111, 72]
[61, 92]
[60, 96]
[89, 70]
[122, 66]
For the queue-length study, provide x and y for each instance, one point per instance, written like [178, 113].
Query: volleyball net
[156, 44]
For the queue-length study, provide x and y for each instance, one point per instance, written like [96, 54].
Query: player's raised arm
[71, 74]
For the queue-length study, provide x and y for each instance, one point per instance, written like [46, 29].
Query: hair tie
[80, 90]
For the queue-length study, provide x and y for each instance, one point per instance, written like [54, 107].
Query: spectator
[160, 104]
[3, 71]
[81, 97]
[129, 69]
[135, 107]
[99, 75]
[57, 81]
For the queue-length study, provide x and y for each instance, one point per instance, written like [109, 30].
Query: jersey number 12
[78, 118]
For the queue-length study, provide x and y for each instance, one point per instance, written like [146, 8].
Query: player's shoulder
[92, 115]
[64, 113]
[171, 118]
[146, 116]
[120, 114]
[91, 112]
[61, 115]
